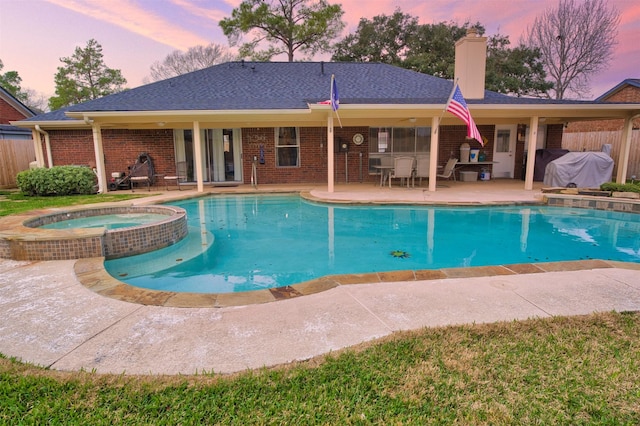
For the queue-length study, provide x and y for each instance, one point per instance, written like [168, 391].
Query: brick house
[225, 120]
[12, 109]
[626, 91]
[16, 151]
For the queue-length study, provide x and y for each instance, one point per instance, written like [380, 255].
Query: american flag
[458, 107]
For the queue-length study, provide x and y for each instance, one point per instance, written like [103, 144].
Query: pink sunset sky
[35, 34]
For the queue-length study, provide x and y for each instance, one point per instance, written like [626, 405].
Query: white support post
[98, 150]
[330, 144]
[197, 143]
[531, 153]
[625, 148]
[433, 154]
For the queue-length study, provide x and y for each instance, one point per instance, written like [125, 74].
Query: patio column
[330, 172]
[625, 147]
[433, 154]
[531, 153]
[198, 152]
[98, 150]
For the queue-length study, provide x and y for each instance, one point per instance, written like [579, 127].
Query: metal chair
[449, 169]
[422, 167]
[180, 176]
[402, 169]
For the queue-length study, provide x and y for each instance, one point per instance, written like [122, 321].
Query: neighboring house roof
[12, 132]
[282, 85]
[634, 82]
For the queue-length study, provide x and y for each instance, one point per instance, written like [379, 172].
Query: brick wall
[313, 156]
[554, 136]
[9, 113]
[122, 147]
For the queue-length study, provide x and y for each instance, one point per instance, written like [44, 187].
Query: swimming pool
[250, 242]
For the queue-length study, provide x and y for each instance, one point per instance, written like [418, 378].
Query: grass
[12, 202]
[563, 370]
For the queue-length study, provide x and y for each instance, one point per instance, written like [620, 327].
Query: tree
[195, 58]
[576, 40]
[430, 49]
[285, 26]
[10, 81]
[433, 48]
[383, 39]
[518, 71]
[84, 77]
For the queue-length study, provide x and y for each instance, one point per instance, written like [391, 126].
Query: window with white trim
[287, 147]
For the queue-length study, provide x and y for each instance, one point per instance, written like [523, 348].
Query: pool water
[250, 242]
[108, 221]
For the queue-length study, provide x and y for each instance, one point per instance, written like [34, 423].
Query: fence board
[593, 141]
[15, 156]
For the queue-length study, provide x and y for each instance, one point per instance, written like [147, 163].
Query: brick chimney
[471, 60]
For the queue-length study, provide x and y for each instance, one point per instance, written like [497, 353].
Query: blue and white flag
[335, 99]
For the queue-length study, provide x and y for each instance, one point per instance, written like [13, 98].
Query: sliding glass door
[221, 154]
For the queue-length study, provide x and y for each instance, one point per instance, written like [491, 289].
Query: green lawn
[559, 371]
[12, 202]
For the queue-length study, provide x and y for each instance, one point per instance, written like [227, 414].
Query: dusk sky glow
[35, 34]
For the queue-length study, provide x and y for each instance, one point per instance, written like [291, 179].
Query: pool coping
[91, 274]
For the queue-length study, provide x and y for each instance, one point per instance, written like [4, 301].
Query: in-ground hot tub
[28, 240]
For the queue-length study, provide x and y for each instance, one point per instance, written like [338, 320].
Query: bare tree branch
[576, 41]
[195, 58]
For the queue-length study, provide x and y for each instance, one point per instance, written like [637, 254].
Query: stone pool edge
[90, 273]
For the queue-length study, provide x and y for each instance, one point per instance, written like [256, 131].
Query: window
[389, 141]
[287, 147]
[399, 140]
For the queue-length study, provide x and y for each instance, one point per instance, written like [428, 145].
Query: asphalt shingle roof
[282, 85]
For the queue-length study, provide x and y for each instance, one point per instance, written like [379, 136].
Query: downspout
[47, 143]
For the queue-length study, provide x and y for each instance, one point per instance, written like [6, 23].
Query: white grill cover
[584, 169]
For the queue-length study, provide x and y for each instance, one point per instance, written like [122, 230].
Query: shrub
[620, 187]
[58, 180]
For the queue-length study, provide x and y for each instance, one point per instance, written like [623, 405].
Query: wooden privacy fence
[593, 141]
[15, 156]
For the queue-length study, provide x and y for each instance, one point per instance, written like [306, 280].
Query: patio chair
[422, 167]
[140, 175]
[449, 169]
[180, 176]
[402, 169]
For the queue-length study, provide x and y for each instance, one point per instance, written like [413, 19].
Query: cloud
[136, 19]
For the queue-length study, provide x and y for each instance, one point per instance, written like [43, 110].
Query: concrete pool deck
[51, 319]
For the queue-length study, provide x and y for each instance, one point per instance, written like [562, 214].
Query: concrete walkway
[50, 319]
